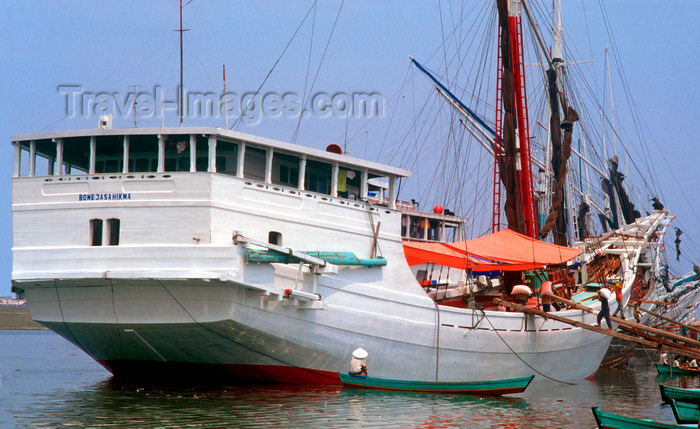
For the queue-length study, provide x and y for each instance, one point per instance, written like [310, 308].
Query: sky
[52, 49]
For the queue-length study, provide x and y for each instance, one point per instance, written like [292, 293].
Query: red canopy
[505, 250]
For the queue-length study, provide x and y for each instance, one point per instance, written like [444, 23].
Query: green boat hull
[665, 369]
[679, 394]
[685, 412]
[615, 421]
[492, 387]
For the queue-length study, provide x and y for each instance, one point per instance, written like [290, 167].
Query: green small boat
[679, 394]
[616, 421]
[665, 369]
[491, 387]
[685, 412]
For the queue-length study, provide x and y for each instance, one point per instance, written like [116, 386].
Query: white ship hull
[194, 328]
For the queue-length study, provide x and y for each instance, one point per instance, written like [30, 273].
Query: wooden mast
[515, 168]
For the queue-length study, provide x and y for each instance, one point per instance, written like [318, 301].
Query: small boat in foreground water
[685, 412]
[491, 387]
[616, 421]
[679, 394]
[665, 369]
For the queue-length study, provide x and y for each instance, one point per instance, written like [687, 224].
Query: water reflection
[45, 384]
[113, 404]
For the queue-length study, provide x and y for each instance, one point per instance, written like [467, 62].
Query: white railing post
[193, 153]
[18, 159]
[241, 160]
[161, 154]
[392, 192]
[32, 158]
[270, 153]
[302, 172]
[59, 156]
[334, 179]
[125, 155]
[93, 154]
[212, 155]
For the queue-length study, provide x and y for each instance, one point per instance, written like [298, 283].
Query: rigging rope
[520, 358]
[318, 70]
[245, 109]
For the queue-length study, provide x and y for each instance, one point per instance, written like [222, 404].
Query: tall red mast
[515, 143]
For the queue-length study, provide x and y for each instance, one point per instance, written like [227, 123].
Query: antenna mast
[225, 100]
[133, 103]
[181, 65]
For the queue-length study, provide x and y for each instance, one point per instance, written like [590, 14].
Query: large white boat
[193, 252]
[140, 247]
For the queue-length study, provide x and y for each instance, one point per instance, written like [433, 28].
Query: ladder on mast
[525, 180]
[497, 147]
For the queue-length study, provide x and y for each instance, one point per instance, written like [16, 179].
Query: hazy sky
[107, 46]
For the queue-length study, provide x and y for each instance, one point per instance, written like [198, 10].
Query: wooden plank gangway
[668, 319]
[677, 349]
[659, 332]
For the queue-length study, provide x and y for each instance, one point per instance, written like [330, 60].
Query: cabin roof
[220, 134]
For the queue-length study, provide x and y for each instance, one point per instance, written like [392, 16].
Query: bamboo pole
[654, 338]
[659, 332]
[655, 302]
[669, 327]
[668, 319]
[651, 344]
[609, 332]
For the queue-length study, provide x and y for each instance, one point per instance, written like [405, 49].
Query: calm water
[47, 382]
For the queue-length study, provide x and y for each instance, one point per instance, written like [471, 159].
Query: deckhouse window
[202, 158]
[285, 169]
[76, 154]
[109, 154]
[143, 154]
[46, 158]
[96, 232]
[177, 153]
[349, 182]
[113, 230]
[226, 157]
[318, 177]
[255, 159]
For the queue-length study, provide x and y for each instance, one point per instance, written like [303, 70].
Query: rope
[273, 67]
[320, 63]
[521, 359]
[63, 319]
[225, 337]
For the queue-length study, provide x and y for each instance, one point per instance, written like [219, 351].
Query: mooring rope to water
[518, 356]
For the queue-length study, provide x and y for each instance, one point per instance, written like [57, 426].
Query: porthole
[274, 237]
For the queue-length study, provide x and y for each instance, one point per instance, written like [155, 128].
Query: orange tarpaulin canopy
[505, 250]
